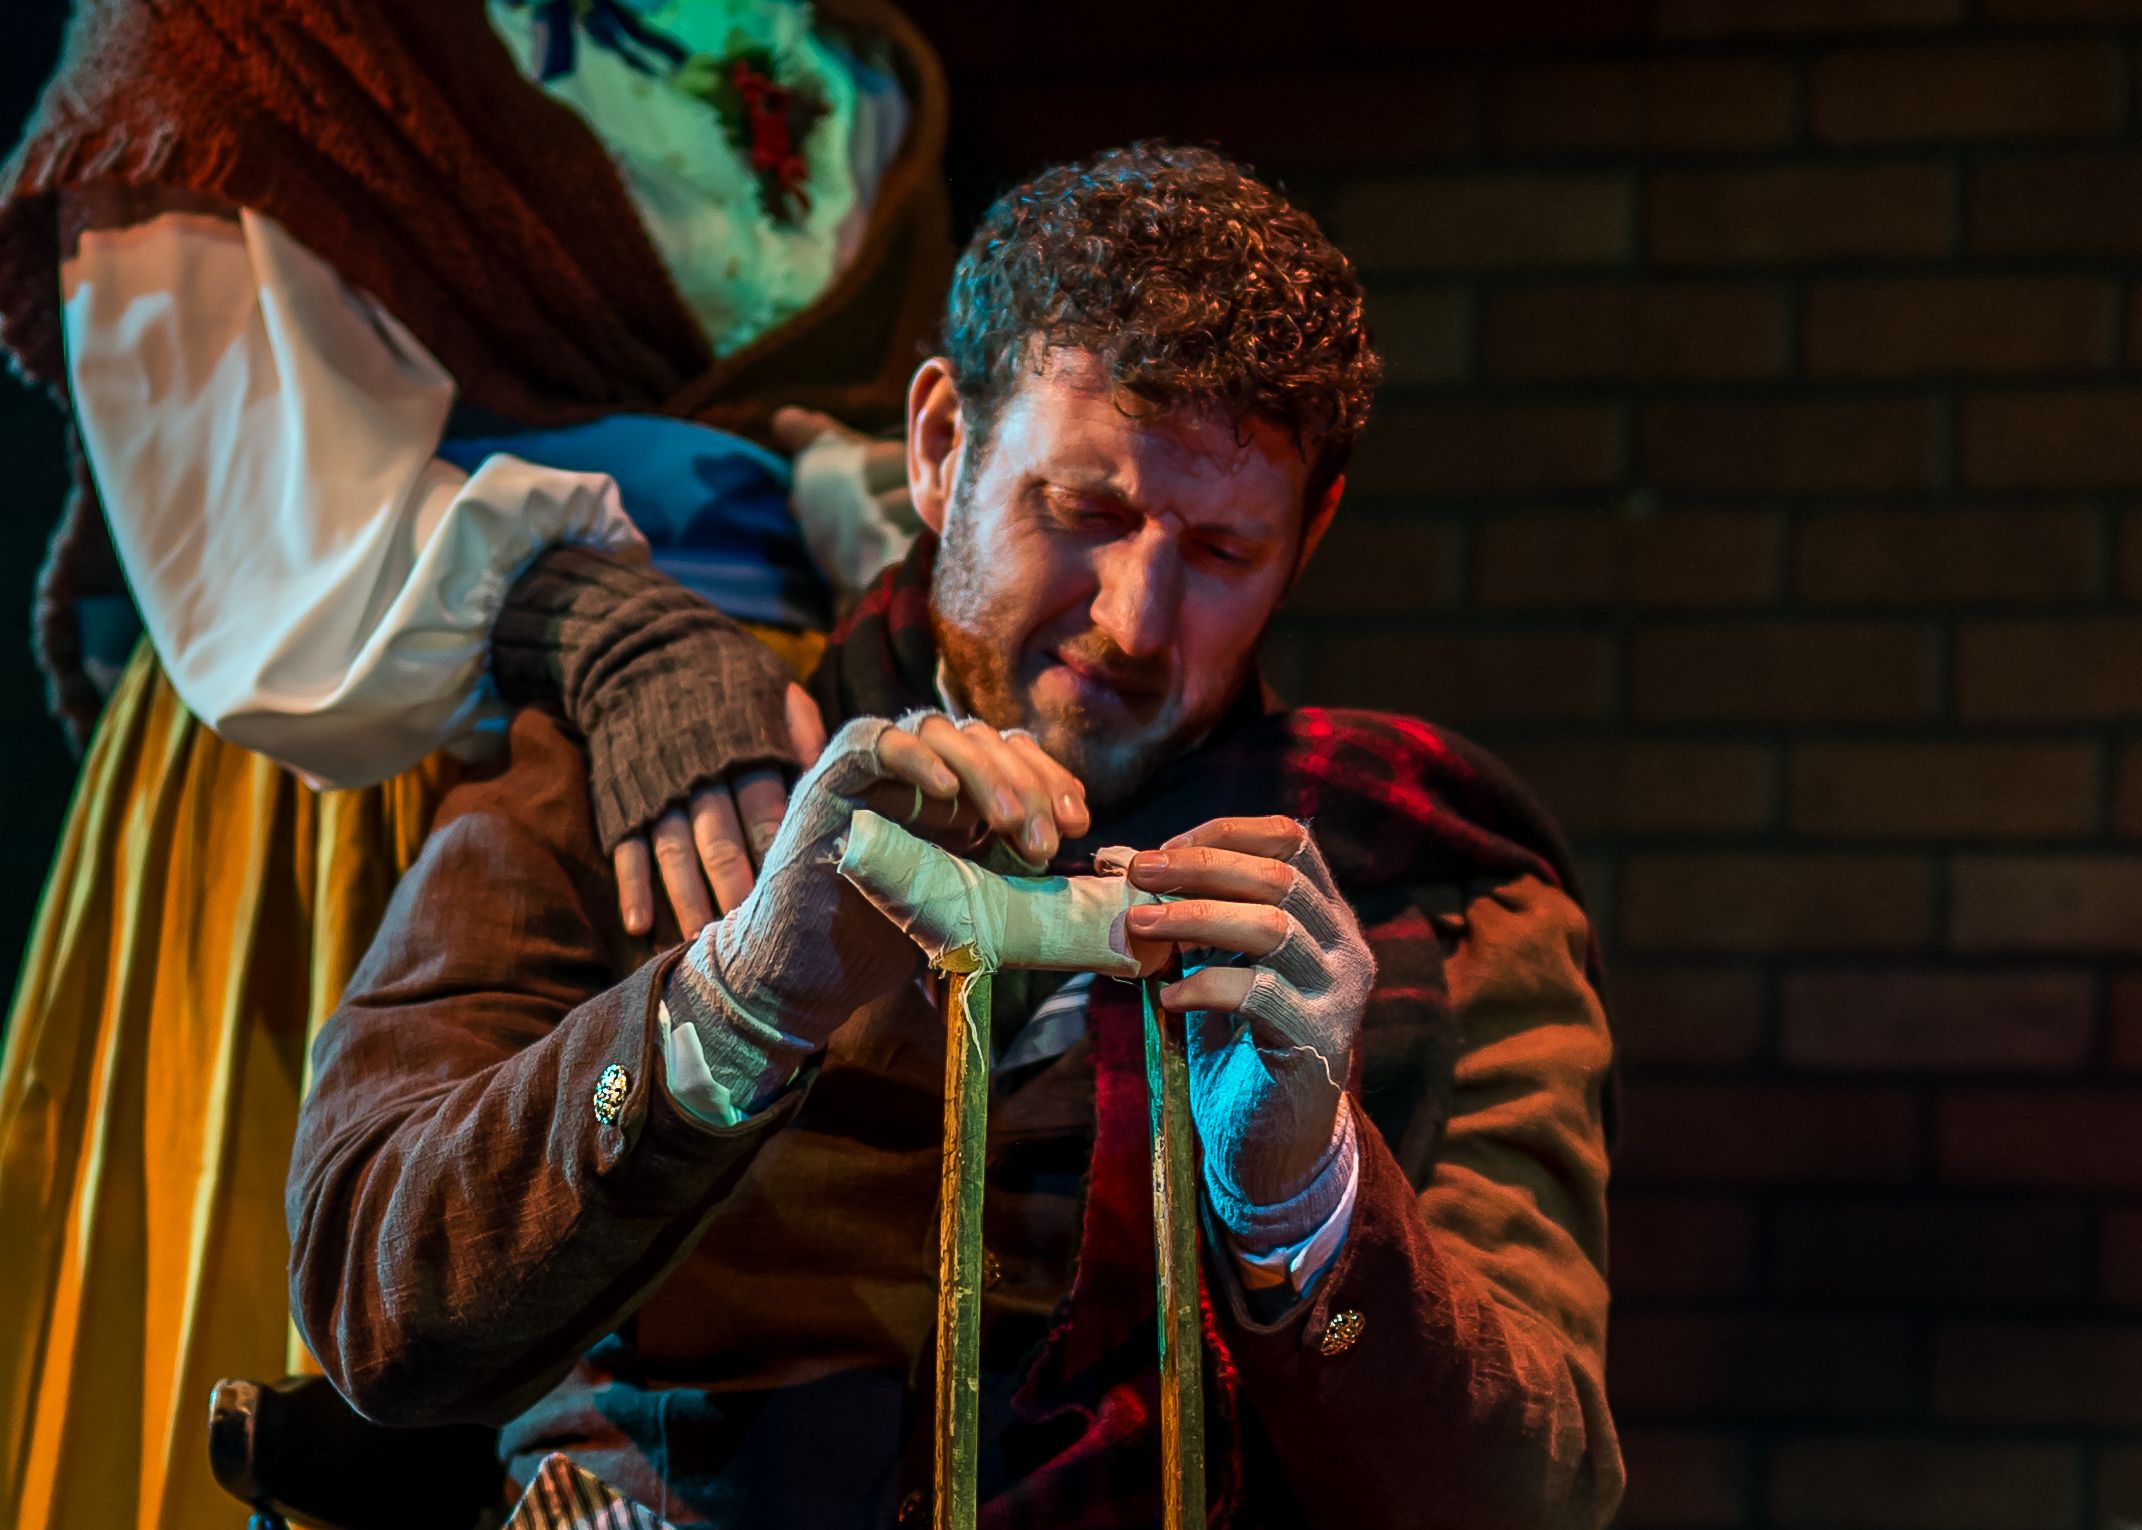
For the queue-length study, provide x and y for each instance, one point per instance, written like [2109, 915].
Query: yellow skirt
[204, 911]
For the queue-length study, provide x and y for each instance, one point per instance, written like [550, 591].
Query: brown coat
[466, 1233]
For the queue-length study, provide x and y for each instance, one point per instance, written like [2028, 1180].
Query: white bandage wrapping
[946, 904]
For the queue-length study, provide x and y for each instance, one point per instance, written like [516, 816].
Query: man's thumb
[806, 729]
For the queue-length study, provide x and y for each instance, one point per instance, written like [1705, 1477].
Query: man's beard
[1113, 756]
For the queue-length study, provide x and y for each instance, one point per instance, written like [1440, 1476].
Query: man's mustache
[1096, 654]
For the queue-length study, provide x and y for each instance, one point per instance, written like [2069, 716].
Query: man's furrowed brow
[1092, 479]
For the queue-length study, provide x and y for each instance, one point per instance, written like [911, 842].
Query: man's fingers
[923, 814]
[635, 885]
[719, 838]
[678, 857]
[761, 798]
[1200, 871]
[1017, 803]
[1219, 989]
[1010, 784]
[806, 727]
[992, 781]
[1066, 793]
[1277, 837]
[905, 757]
[1255, 930]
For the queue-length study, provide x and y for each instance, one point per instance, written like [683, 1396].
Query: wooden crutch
[929, 894]
[967, 994]
[1182, 1341]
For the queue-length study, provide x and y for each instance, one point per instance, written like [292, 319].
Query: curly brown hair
[1193, 282]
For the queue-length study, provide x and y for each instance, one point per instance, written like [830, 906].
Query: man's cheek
[1210, 661]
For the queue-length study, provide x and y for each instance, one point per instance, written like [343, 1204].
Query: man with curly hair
[671, 1212]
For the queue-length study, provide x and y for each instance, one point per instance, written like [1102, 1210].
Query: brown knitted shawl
[396, 139]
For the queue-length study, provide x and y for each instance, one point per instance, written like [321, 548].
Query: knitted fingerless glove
[1267, 1082]
[666, 691]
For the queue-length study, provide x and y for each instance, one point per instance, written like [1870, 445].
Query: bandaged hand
[764, 987]
[969, 918]
[1272, 999]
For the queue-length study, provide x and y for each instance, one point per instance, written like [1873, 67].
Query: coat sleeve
[464, 1219]
[1448, 1369]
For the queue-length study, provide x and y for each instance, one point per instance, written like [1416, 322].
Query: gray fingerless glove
[767, 984]
[667, 692]
[1266, 1082]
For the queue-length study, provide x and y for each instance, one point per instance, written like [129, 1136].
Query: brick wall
[1760, 473]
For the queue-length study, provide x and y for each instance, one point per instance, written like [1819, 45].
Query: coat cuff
[1275, 1280]
[651, 1156]
[1343, 1289]
[698, 1088]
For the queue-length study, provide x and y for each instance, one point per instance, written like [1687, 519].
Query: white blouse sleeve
[319, 585]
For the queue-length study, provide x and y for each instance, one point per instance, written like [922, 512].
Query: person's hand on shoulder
[708, 847]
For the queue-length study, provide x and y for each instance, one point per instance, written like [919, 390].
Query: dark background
[39, 771]
[1759, 472]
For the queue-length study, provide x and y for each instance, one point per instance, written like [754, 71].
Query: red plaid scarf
[1397, 806]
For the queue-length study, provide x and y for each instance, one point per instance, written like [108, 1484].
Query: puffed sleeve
[319, 585]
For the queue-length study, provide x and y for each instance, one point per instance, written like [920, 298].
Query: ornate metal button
[992, 1271]
[1340, 1332]
[610, 1092]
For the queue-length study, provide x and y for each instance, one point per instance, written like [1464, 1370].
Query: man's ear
[936, 436]
[1319, 522]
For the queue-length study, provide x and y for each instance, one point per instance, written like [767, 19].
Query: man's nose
[1141, 584]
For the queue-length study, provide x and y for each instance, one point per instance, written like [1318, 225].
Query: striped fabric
[565, 1497]
[1057, 1021]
